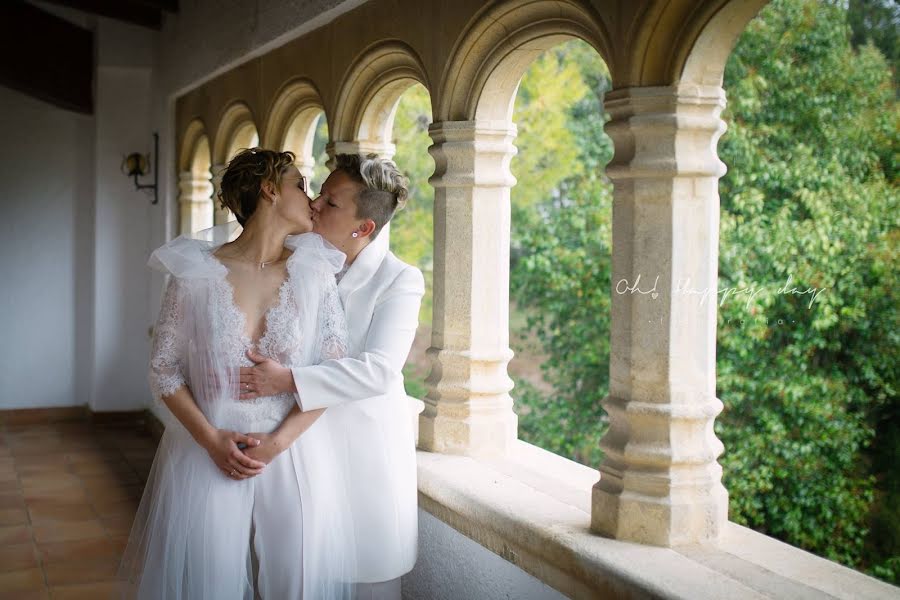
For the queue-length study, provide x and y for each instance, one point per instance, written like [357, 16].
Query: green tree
[877, 22]
[412, 229]
[320, 171]
[811, 196]
[548, 147]
[560, 270]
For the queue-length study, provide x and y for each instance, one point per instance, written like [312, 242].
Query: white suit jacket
[381, 296]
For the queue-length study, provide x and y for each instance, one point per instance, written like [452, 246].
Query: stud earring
[355, 234]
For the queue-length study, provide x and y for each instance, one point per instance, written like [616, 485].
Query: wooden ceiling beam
[170, 6]
[135, 13]
[60, 72]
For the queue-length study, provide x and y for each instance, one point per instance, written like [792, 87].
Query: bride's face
[293, 204]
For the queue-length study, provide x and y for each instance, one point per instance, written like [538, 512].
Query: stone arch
[371, 89]
[473, 138]
[193, 136]
[236, 130]
[694, 52]
[291, 122]
[704, 59]
[293, 115]
[491, 56]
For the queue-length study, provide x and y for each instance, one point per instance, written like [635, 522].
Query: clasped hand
[266, 378]
[237, 463]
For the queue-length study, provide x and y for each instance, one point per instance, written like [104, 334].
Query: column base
[678, 519]
[467, 436]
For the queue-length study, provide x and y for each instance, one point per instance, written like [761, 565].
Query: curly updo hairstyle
[243, 179]
[385, 188]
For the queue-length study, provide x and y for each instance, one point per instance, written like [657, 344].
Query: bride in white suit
[381, 297]
[238, 504]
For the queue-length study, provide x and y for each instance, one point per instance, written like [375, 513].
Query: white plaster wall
[451, 566]
[121, 277]
[76, 234]
[46, 182]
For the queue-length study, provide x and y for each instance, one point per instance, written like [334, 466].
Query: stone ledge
[533, 509]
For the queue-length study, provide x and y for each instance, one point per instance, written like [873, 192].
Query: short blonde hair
[385, 188]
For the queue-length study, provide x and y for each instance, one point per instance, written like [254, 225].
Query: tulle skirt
[286, 533]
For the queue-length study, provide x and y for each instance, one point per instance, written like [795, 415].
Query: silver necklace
[262, 264]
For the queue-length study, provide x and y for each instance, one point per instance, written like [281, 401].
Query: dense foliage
[807, 369]
[412, 230]
[561, 252]
[811, 198]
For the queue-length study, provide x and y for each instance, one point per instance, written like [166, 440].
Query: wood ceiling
[52, 59]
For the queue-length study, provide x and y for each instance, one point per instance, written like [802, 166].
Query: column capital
[458, 143]
[471, 130]
[364, 147]
[663, 98]
[665, 131]
[192, 188]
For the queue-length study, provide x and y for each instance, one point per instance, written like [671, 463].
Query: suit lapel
[362, 269]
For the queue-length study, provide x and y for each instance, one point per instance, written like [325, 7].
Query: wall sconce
[137, 165]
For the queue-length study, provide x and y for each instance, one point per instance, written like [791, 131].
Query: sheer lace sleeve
[333, 333]
[167, 353]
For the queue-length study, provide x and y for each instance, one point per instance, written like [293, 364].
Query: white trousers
[383, 590]
[277, 531]
[264, 519]
[276, 534]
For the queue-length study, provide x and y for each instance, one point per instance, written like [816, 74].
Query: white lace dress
[191, 537]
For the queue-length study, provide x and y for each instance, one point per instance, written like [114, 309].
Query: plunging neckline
[247, 340]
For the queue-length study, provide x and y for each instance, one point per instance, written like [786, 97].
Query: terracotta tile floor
[68, 493]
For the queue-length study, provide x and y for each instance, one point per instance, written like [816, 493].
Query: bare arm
[182, 405]
[220, 444]
[170, 388]
[293, 426]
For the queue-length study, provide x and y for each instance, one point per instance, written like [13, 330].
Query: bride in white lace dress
[239, 504]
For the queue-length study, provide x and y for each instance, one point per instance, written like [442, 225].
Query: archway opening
[307, 138]
[560, 254]
[195, 189]
[412, 229]
[245, 136]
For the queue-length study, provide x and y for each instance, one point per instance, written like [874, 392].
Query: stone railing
[520, 527]
[533, 509]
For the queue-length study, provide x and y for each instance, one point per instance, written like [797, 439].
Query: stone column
[195, 208]
[221, 215]
[468, 409]
[660, 482]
